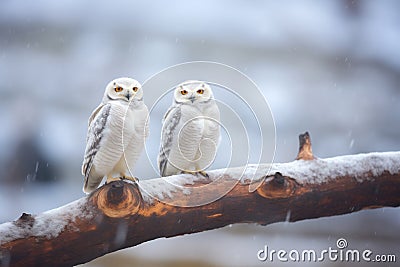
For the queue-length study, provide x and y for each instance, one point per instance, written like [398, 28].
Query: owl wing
[170, 121]
[97, 123]
[94, 113]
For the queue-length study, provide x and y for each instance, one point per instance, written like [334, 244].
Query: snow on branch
[122, 214]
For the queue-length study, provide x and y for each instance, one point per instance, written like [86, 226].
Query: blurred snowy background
[329, 67]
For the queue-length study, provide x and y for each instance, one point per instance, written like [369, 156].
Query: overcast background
[329, 67]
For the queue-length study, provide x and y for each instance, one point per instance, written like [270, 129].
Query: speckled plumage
[116, 133]
[190, 131]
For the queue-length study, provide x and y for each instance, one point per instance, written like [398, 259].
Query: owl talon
[129, 178]
[196, 173]
[203, 173]
[112, 179]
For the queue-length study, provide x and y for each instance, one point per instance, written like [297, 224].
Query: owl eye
[200, 91]
[184, 92]
[135, 89]
[118, 89]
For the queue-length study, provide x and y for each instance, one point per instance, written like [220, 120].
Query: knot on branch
[118, 199]
[305, 150]
[277, 186]
[26, 219]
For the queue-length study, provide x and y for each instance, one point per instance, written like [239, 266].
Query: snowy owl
[190, 131]
[116, 134]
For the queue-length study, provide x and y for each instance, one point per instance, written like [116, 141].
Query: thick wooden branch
[121, 214]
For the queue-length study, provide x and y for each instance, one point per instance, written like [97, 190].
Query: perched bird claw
[197, 173]
[203, 173]
[112, 179]
[129, 178]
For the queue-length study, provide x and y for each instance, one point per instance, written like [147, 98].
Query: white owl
[116, 135]
[190, 132]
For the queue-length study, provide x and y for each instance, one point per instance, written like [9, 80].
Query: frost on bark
[121, 214]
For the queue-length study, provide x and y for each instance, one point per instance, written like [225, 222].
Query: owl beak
[128, 96]
[192, 98]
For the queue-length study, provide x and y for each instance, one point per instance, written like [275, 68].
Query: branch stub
[25, 219]
[305, 149]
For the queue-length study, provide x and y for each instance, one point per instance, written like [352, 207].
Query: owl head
[192, 92]
[125, 89]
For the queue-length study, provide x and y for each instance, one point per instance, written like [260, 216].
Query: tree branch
[121, 214]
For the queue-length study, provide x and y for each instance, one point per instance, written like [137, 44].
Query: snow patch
[357, 166]
[161, 188]
[304, 171]
[48, 224]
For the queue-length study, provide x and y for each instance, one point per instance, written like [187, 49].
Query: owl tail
[91, 184]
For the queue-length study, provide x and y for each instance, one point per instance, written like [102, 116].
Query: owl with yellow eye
[116, 134]
[190, 131]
